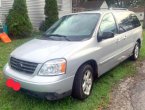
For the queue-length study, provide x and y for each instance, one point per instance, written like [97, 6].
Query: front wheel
[136, 52]
[83, 82]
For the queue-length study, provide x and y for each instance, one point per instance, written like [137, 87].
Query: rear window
[126, 21]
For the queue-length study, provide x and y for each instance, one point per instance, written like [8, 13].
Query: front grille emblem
[20, 65]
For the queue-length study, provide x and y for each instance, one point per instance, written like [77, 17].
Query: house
[139, 12]
[36, 8]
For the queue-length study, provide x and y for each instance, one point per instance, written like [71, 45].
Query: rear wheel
[83, 82]
[136, 52]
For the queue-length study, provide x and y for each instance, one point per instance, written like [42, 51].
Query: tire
[83, 81]
[136, 52]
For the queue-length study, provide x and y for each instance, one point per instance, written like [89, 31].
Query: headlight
[53, 67]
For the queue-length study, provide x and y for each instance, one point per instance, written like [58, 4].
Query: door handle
[123, 38]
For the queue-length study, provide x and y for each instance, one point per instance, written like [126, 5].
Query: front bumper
[41, 84]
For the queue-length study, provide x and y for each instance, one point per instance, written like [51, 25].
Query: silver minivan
[75, 50]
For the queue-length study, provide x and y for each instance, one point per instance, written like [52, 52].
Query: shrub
[51, 13]
[18, 22]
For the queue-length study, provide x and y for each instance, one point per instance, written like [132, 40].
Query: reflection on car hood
[40, 51]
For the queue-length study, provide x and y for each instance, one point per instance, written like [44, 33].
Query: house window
[59, 4]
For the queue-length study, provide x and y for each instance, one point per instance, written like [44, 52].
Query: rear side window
[126, 21]
[134, 21]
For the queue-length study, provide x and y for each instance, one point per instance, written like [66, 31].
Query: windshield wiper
[57, 35]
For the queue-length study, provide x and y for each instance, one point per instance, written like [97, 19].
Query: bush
[18, 22]
[51, 13]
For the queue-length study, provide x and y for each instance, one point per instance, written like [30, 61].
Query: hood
[40, 51]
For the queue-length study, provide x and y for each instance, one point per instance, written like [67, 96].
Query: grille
[23, 66]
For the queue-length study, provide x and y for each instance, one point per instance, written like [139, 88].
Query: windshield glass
[73, 27]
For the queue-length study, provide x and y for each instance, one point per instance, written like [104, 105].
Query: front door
[107, 47]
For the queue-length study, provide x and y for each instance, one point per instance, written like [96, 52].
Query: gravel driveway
[130, 94]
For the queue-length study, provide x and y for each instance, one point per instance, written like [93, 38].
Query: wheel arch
[139, 41]
[94, 65]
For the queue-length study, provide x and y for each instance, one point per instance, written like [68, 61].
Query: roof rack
[118, 9]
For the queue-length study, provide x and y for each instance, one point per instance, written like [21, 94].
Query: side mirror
[106, 35]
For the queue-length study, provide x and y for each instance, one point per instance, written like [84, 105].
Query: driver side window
[108, 24]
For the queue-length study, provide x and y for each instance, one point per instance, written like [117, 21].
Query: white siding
[0, 3]
[4, 9]
[35, 10]
[66, 7]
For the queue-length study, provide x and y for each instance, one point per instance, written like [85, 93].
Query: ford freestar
[75, 50]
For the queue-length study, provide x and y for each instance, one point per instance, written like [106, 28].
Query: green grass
[10, 100]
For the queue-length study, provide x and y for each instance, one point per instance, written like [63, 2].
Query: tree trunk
[144, 19]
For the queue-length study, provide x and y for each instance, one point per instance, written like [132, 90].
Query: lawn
[10, 100]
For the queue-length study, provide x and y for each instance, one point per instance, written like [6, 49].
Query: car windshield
[76, 27]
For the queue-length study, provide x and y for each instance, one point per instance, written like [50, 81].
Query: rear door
[124, 26]
[126, 35]
[135, 32]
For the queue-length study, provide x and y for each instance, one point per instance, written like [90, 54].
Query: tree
[51, 13]
[18, 21]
